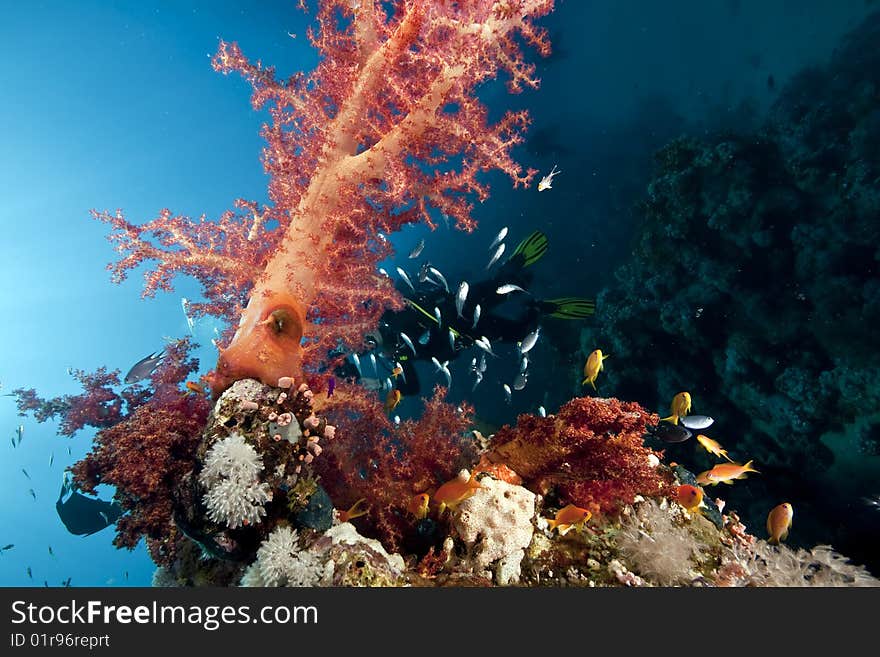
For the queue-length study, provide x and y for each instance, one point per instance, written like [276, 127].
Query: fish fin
[727, 481]
[593, 383]
[671, 418]
[530, 250]
[567, 307]
[773, 541]
[551, 523]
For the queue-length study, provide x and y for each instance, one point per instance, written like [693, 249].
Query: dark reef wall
[754, 284]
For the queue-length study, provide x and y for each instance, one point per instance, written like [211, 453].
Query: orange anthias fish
[713, 447]
[592, 367]
[354, 511]
[779, 522]
[681, 406]
[690, 497]
[569, 517]
[454, 492]
[724, 473]
[193, 388]
[392, 400]
[418, 505]
[397, 371]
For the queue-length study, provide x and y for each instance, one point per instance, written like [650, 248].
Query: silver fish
[483, 363]
[507, 288]
[144, 367]
[396, 420]
[184, 303]
[542, 411]
[386, 384]
[461, 297]
[508, 395]
[485, 345]
[373, 362]
[437, 273]
[382, 237]
[444, 368]
[424, 337]
[476, 316]
[383, 272]
[357, 363]
[529, 341]
[405, 278]
[496, 256]
[452, 339]
[408, 342]
[500, 236]
[417, 251]
[423, 272]
[479, 378]
[524, 364]
[473, 364]
[696, 422]
[438, 317]
[520, 381]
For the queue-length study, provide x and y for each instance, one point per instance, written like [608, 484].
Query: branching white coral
[235, 496]
[280, 562]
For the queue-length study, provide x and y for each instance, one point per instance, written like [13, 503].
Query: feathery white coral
[235, 496]
[280, 562]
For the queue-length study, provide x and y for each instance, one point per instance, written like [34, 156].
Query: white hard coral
[496, 525]
[235, 496]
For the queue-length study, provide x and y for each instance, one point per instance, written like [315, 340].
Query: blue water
[116, 106]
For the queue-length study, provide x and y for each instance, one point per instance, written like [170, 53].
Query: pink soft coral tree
[386, 131]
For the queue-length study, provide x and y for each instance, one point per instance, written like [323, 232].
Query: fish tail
[551, 523]
[672, 418]
[748, 467]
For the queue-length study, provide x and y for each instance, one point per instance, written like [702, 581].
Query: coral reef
[388, 464]
[590, 453]
[753, 284]
[235, 496]
[496, 526]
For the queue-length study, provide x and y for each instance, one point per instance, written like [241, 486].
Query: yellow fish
[418, 505]
[713, 447]
[725, 473]
[681, 406]
[354, 511]
[593, 366]
[779, 522]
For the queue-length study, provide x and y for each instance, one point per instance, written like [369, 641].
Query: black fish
[25, 473]
[83, 515]
[9, 546]
[30, 573]
[144, 367]
[33, 494]
[51, 554]
[66, 583]
[670, 433]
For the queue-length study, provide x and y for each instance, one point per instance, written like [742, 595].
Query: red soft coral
[591, 453]
[145, 456]
[386, 464]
